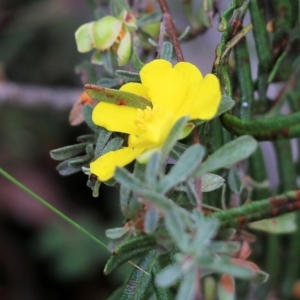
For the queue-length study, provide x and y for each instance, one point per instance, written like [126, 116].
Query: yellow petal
[207, 99]
[169, 87]
[115, 117]
[104, 167]
[135, 88]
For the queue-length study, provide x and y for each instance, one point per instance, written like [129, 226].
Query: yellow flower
[175, 92]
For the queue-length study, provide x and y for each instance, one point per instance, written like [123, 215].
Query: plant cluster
[174, 143]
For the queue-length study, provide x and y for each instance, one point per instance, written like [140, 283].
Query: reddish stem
[167, 19]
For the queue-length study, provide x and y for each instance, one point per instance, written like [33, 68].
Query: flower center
[145, 116]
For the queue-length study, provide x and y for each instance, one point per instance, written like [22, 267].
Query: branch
[167, 19]
[33, 95]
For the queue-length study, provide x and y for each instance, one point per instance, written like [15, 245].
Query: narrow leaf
[117, 260]
[234, 180]
[135, 60]
[87, 113]
[153, 169]
[116, 233]
[177, 229]
[102, 139]
[168, 276]
[80, 161]
[283, 224]
[116, 97]
[140, 279]
[173, 137]
[151, 220]
[149, 18]
[135, 243]
[184, 167]
[86, 138]
[127, 179]
[164, 203]
[113, 144]
[229, 154]
[128, 76]
[64, 169]
[68, 151]
[167, 51]
[188, 286]
[109, 82]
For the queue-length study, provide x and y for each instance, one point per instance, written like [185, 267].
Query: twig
[34, 95]
[167, 19]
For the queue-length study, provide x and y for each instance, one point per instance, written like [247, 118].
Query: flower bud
[105, 32]
[83, 37]
[129, 21]
[124, 50]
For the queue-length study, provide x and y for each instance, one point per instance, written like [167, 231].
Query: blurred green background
[42, 257]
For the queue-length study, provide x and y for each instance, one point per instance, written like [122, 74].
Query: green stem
[262, 46]
[279, 127]
[265, 208]
[49, 206]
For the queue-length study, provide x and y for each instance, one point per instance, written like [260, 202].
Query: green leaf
[260, 277]
[228, 247]
[209, 284]
[234, 180]
[140, 281]
[135, 60]
[80, 161]
[167, 51]
[149, 18]
[113, 144]
[128, 180]
[109, 82]
[164, 203]
[224, 265]
[128, 76]
[116, 97]
[226, 104]
[184, 167]
[117, 260]
[211, 182]
[107, 61]
[205, 231]
[135, 243]
[177, 229]
[153, 169]
[116, 233]
[169, 275]
[102, 139]
[177, 150]
[191, 193]
[86, 138]
[151, 220]
[279, 225]
[68, 151]
[172, 138]
[229, 154]
[96, 188]
[188, 286]
[87, 113]
[185, 33]
[116, 7]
